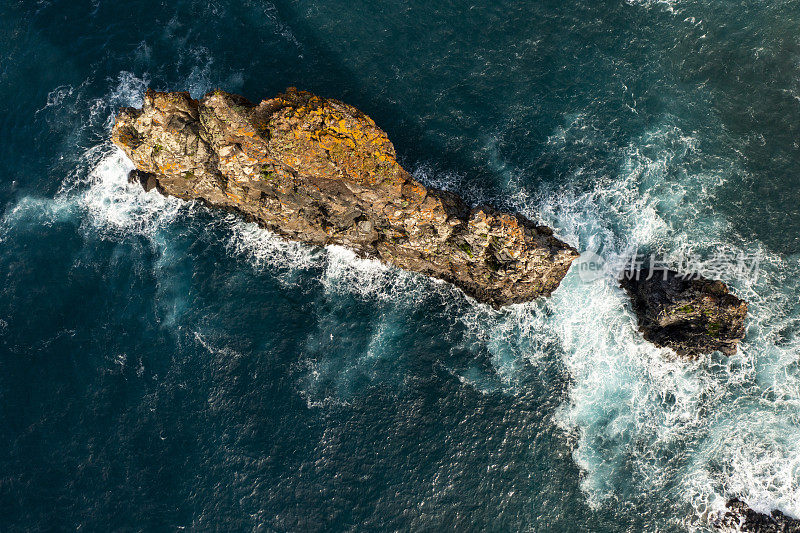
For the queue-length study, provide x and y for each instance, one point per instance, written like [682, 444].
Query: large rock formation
[690, 314]
[320, 171]
[740, 517]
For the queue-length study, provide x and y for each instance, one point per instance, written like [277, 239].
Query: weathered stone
[742, 518]
[690, 314]
[320, 171]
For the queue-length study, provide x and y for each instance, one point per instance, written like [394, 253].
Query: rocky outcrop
[690, 314]
[742, 518]
[320, 171]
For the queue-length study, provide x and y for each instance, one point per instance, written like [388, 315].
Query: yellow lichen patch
[509, 227]
[245, 132]
[233, 196]
[170, 166]
[349, 141]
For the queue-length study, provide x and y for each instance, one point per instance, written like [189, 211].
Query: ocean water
[164, 366]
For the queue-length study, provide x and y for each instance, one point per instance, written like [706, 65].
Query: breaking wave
[704, 431]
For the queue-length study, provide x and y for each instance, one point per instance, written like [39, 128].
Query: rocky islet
[320, 171]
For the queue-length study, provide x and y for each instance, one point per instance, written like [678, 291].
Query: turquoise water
[165, 366]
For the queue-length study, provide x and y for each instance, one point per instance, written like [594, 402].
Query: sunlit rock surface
[319, 171]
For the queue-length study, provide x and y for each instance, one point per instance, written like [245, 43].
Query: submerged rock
[690, 314]
[320, 171]
[740, 517]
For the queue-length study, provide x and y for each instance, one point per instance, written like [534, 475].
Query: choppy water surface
[165, 366]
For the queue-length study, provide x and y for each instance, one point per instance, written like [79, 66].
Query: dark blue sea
[166, 367]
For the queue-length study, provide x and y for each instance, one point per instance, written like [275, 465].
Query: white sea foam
[98, 182]
[113, 204]
[637, 413]
[369, 278]
[267, 251]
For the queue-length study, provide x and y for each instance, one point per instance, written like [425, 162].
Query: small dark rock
[690, 314]
[146, 179]
[740, 517]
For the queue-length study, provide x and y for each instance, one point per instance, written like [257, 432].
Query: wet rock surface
[690, 314]
[740, 517]
[319, 171]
